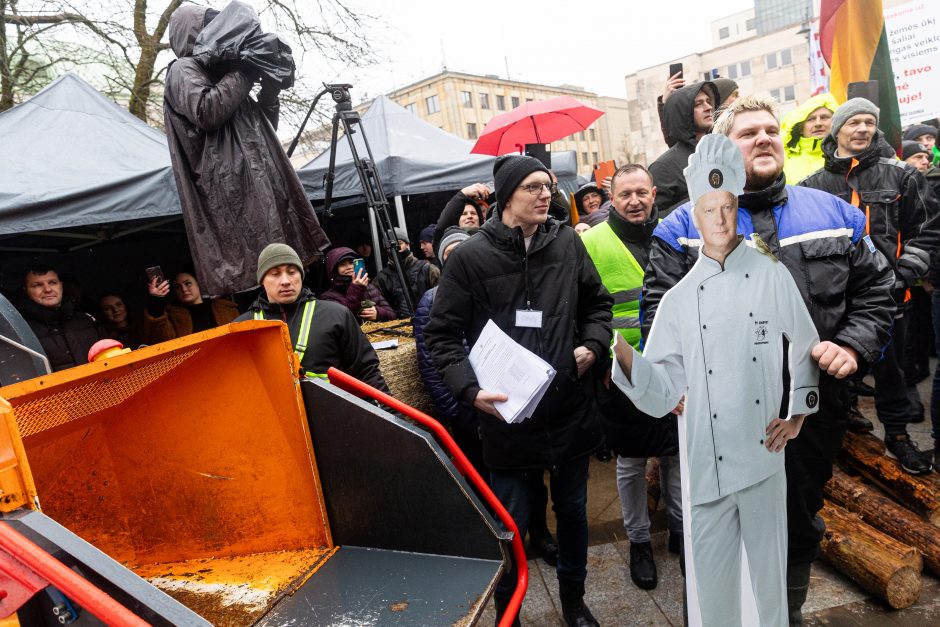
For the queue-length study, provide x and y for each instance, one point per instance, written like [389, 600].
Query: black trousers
[892, 402]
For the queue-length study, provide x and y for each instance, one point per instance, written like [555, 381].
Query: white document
[502, 365]
[385, 344]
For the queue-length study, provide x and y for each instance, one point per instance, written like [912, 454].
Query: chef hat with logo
[716, 165]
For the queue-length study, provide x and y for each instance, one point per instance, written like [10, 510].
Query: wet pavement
[833, 599]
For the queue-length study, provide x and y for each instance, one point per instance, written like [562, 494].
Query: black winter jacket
[420, 275]
[900, 209]
[671, 189]
[491, 276]
[65, 333]
[845, 282]
[445, 404]
[630, 432]
[933, 181]
[335, 337]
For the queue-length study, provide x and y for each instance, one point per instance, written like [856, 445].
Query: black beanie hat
[919, 129]
[509, 171]
[909, 149]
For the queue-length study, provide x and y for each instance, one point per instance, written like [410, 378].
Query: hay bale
[399, 366]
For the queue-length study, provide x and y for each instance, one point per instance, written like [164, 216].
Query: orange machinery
[213, 485]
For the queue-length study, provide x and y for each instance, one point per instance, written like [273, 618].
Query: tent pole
[400, 212]
[376, 246]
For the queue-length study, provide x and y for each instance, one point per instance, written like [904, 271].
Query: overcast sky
[593, 45]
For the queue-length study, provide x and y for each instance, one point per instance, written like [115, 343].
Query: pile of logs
[881, 542]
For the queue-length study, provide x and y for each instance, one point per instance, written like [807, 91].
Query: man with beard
[844, 281]
[904, 224]
[687, 116]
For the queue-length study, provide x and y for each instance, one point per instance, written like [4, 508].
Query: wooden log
[865, 453]
[887, 516]
[653, 489]
[876, 562]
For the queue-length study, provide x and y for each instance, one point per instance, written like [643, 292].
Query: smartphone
[675, 68]
[863, 89]
[359, 265]
[155, 272]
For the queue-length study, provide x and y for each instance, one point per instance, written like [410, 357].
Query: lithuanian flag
[855, 45]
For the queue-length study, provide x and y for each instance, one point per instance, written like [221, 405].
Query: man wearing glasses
[533, 277]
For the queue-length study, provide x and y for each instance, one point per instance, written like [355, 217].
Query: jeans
[631, 486]
[568, 485]
[891, 399]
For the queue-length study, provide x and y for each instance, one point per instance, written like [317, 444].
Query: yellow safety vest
[621, 275]
[303, 336]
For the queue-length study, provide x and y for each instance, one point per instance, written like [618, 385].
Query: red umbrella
[537, 122]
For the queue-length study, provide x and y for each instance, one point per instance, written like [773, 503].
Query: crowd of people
[854, 227]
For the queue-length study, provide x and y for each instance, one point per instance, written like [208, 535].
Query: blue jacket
[445, 404]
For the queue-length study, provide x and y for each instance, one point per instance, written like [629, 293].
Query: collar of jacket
[767, 198]
[511, 238]
[267, 306]
[731, 260]
[806, 146]
[47, 315]
[866, 158]
[634, 233]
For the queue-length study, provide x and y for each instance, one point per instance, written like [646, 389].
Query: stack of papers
[502, 365]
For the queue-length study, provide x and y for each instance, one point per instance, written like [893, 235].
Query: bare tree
[129, 36]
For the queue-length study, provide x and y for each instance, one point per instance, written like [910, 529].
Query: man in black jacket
[65, 333]
[324, 334]
[687, 116]
[419, 274]
[619, 248]
[532, 277]
[845, 282]
[904, 224]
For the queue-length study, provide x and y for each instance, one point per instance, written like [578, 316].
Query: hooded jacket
[343, 291]
[335, 337]
[65, 333]
[678, 112]
[237, 188]
[901, 213]
[420, 276]
[803, 155]
[491, 276]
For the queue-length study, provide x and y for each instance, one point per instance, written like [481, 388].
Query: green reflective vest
[621, 275]
[303, 336]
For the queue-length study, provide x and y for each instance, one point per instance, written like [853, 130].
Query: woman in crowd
[116, 323]
[189, 314]
[352, 290]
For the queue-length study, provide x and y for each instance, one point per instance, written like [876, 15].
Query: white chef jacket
[719, 334]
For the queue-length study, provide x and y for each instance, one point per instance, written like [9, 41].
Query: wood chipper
[204, 481]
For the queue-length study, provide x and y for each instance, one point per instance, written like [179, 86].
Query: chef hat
[716, 165]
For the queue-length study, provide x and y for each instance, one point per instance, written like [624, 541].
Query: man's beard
[757, 181]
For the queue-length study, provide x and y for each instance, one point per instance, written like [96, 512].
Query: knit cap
[508, 173]
[852, 107]
[909, 149]
[919, 130]
[451, 235]
[275, 255]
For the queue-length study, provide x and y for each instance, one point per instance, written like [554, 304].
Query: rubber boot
[573, 609]
[797, 587]
[501, 605]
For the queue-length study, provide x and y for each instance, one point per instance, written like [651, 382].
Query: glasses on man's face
[536, 188]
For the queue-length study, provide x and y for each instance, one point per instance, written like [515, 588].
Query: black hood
[840, 165]
[678, 111]
[185, 25]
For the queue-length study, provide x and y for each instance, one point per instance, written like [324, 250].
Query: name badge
[529, 318]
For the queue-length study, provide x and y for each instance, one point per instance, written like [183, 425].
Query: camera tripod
[376, 201]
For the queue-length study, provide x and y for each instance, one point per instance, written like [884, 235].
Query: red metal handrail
[354, 385]
[70, 583]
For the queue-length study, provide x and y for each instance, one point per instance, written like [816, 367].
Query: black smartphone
[863, 89]
[359, 265]
[155, 272]
[675, 68]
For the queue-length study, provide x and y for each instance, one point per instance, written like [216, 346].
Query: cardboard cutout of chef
[718, 337]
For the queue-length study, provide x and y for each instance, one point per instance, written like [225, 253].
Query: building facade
[462, 104]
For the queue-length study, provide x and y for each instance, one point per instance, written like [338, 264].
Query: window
[528, 100]
[770, 61]
[750, 24]
[733, 71]
[584, 160]
[471, 130]
[501, 103]
[592, 136]
[515, 101]
[433, 105]
[723, 32]
[785, 57]
[411, 108]
[582, 135]
[789, 93]
[466, 99]
[484, 101]
[596, 160]
[745, 69]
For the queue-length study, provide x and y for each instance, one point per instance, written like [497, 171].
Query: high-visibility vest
[303, 336]
[621, 275]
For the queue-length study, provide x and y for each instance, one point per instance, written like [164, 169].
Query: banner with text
[913, 32]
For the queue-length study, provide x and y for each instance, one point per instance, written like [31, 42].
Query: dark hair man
[532, 277]
[902, 219]
[845, 282]
[419, 274]
[687, 116]
[324, 334]
[65, 333]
